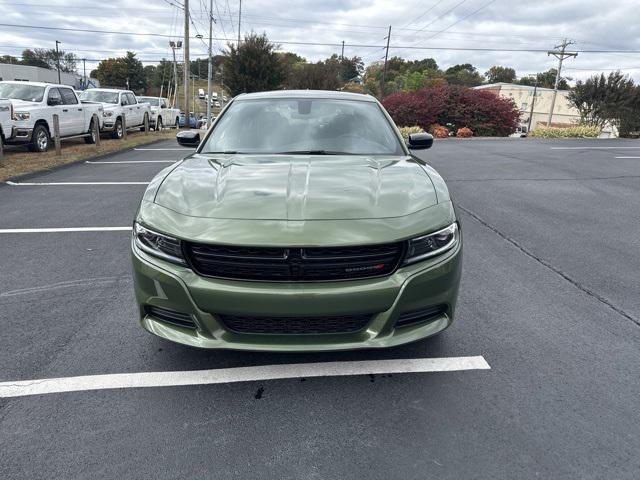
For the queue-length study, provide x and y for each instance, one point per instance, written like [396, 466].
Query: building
[28, 73]
[564, 114]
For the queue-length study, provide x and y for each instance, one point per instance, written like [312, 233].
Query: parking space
[549, 299]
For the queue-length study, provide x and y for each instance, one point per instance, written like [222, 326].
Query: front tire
[40, 139]
[118, 131]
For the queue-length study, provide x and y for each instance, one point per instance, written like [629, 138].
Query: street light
[58, 60]
[174, 46]
[533, 102]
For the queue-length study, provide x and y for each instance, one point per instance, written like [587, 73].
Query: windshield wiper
[313, 152]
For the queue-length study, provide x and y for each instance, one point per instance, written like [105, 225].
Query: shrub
[464, 132]
[570, 132]
[485, 113]
[440, 132]
[406, 131]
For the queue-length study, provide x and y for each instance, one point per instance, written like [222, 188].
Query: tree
[546, 80]
[48, 58]
[254, 66]
[10, 59]
[498, 74]
[602, 99]
[315, 76]
[124, 71]
[463, 74]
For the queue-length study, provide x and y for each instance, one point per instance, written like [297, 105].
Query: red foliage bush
[464, 132]
[485, 113]
[440, 132]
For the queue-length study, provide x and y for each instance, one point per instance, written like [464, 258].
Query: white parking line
[65, 230]
[592, 148]
[239, 374]
[627, 157]
[163, 149]
[57, 184]
[132, 161]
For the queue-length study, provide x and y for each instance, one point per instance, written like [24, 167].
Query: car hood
[23, 104]
[281, 187]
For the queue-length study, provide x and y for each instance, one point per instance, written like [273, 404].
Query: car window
[54, 93]
[17, 91]
[297, 125]
[68, 97]
[131, 98]
[99, 96]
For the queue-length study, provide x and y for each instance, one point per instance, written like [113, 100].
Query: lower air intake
[296, 325]
[419, 316]
[172, 317]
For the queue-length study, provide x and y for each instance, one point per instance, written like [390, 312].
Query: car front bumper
[19, 135]
[165, 285]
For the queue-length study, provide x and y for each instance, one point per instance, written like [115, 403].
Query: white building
[28, 73]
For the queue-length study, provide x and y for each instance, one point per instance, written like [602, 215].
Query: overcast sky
[593, 25]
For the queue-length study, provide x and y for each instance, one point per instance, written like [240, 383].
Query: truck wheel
[118, 131]
[159, 124]
[91, 139]
[40, 139]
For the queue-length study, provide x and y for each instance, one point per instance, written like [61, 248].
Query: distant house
[564, 114]
[28, 73]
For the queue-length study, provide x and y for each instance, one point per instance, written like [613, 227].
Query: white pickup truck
[6, 120]
[34, 105]
[161, 114]
[117, 103]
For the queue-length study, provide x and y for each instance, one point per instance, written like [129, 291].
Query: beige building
[564, 114]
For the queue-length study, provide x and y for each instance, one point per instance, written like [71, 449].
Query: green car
[301, 223]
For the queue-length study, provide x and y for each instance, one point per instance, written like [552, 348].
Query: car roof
[112, 90]
[333, 95]
[37, 84]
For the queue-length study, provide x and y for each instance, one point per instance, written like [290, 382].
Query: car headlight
[433, 244]
[107, 114]
[18, 116]
[158, 245]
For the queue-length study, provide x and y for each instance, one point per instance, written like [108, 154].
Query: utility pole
[58, 60]
[210, 66]
[85, 83]
[174, 46]
[384, 69]
[239, 21]
[342, 54]
[560, 54]
[533, 102]
[187, 65]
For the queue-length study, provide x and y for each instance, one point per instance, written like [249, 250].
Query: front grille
[172, 317]
[296, 325]
[294, 264]
[419, 316]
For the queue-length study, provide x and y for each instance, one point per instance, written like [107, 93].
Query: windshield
[100, 96]
[153, 101]
[304, 126]
[18, 91]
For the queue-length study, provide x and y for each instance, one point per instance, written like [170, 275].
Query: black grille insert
[422, 315]
[294, 264]
[172, 317]
[296, 325]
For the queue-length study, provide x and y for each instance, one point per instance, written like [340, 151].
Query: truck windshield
[153, 101]
[18, 91]
[99, 96]
[304, 126]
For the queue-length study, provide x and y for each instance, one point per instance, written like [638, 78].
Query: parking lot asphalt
[550, 298]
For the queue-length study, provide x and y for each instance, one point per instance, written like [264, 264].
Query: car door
[73, 112]
[55, 107]
[136, 109]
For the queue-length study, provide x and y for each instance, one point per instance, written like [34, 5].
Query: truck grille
[296, 325]
[294, 264]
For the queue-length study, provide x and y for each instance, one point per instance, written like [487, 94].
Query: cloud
[422, 23]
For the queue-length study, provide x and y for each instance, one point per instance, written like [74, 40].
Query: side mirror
[54, 101]
[420, 141]
[188, 139]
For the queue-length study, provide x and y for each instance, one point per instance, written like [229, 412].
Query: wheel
[118, 131]
[159, 124]
[91, 139]
[40, 139]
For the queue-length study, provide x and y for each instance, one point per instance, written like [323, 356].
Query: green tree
[122, 72]
[48, 58]
[498, 74]
[463, 74]
[254, 66]
[546, 80]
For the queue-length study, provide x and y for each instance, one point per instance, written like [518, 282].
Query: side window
[131, 98]
[163, 103]
[54, 97]
[68, 97]
[123, 99]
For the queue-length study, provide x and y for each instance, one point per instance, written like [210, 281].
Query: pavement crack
[548, 265]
